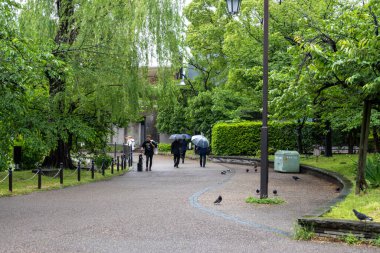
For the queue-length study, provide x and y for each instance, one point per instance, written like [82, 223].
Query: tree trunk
[351, 141]
[376, 139]
[361, 184]
[328, 140]
[61, 154]
[66, 35]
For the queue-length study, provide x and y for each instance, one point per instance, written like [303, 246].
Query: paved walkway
[166, 210]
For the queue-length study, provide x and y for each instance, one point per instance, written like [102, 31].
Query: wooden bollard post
[39, 177]
[103, 167]
[78, 171]
[61, 173]
[92, 169]
[10, 178]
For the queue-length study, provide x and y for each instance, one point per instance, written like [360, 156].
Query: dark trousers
[202, 160]
[183, 154]
[149, 160]
[176, 159]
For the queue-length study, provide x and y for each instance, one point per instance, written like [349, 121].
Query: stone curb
[322, 226]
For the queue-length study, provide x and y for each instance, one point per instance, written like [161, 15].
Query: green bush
[350, 239]
[372, 172]
[98, 159]
[164, 147]
[243, 138]
[303, 233]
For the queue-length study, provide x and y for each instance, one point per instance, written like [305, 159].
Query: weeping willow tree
[97, 57]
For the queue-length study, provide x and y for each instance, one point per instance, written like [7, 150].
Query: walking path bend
[166, 210]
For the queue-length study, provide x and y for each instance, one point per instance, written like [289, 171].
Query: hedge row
[243, 138]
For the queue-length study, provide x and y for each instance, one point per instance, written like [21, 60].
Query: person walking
[202, 155]
[176, 151]
[148, 147]
[183, 150]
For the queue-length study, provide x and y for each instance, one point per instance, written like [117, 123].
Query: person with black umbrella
[176, 151]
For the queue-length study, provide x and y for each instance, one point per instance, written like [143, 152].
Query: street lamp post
[233, 8]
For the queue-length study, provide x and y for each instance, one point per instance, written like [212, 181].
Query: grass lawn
[22, 184]
[368, 202]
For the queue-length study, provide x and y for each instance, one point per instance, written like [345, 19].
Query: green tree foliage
[74, 68]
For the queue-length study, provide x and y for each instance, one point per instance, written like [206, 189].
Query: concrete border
[322, 226]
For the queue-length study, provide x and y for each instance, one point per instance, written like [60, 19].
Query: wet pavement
[167, 210]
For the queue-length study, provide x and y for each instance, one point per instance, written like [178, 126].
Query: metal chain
[4, 178]
[29, 178]
[73, 172]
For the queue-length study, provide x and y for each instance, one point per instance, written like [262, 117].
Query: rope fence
[59, 174]
[4, 178]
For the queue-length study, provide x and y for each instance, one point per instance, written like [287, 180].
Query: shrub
[350, 239]
[98, 159]
[377, 242]
[243, 138]
[303, 233]
[372, 172]
[164, 147]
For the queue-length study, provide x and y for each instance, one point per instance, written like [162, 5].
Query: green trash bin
[287, 161]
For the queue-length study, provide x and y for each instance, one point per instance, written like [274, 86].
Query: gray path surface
[166, 210]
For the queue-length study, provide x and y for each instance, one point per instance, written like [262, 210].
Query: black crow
[275, 192]
[247, 170]
[361, 216]
[257, 191]
[296, 178]
[218, 200]
[223, 172]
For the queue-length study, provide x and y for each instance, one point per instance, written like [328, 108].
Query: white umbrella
[200, 141]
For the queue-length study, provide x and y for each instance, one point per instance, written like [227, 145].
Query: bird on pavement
[255, 170]
[218, 200]
[275, 192]
[223, 172]
[257, 191]
[247, 170]
[361, 216]
[296, 178]
[228, 170]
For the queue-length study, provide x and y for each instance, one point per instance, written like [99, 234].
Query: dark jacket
[201, 151]
[148, 147]
[184, 146]
[176, 147]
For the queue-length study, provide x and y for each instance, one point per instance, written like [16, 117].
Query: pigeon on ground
[361, 216]
[218, 200]
[275, 192]
[255, 170]
[223, 172]
[247, 170]
[296, 178]
[257, 191]
[228, 170]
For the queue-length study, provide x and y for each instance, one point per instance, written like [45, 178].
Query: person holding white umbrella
[201, 146]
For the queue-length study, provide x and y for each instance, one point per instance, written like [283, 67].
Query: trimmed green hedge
[163, 147]
[243, 138]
